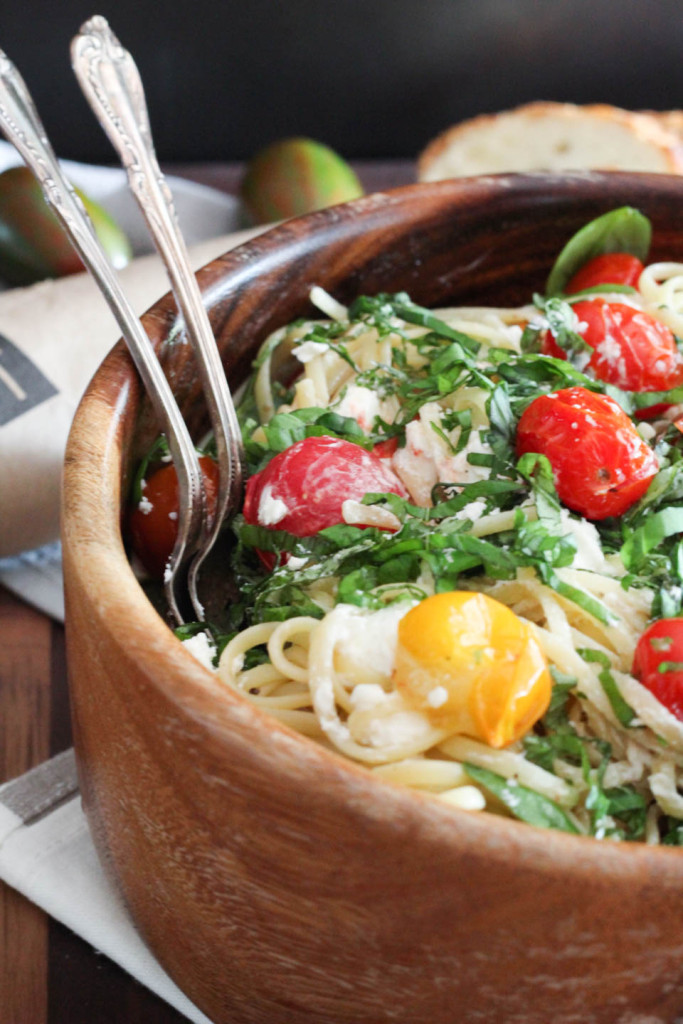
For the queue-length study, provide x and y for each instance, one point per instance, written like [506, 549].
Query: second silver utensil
[112, 85]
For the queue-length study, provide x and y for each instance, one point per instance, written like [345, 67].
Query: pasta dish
[459, 559]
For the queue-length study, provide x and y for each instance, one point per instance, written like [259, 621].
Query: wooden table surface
[47, 974]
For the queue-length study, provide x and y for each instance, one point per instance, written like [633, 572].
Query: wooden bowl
[277, 882]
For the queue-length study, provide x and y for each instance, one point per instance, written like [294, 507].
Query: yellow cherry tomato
[473, 666]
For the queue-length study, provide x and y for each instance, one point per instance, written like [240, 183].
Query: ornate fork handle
[20, 123]
[110, 81]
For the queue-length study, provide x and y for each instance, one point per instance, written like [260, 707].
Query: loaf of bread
[547, 136]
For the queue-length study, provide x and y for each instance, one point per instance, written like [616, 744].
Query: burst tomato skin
[153, 524]
[385, 449]
[600, 463]
[659, 645]
[607, 268]
[303, 488]
[631, 349]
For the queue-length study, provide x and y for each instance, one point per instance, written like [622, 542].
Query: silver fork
[112, 85]
[21, 125]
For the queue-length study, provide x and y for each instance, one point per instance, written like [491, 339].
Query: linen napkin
[47, 854]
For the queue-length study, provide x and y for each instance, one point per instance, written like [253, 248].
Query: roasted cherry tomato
[303, 488]
[607, 268]
[631, 349]
[473, 666]
[600, 463]
[658, 663]
[153, 523]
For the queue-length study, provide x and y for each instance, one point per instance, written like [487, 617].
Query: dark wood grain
[25, 674]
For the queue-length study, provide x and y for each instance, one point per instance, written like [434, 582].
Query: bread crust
[658, 138]
[670, 120]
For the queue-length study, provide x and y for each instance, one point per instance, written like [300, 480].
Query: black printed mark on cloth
[22, 385]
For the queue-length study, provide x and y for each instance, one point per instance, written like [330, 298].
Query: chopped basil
[158, 451]
[524, 803]
[646, 538]
[674, 834]
[621, 708]
[563, 324]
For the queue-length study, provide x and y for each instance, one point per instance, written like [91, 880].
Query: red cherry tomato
[608, 268]
[658, 663]
[385, 449]
[153, 524]
[631, 349]
[302, 489]
[600, 462]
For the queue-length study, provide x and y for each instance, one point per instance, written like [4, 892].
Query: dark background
[372, 78]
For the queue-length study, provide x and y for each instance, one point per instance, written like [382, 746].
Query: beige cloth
[65, 329]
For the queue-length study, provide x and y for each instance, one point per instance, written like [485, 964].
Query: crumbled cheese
[271, 510]
[202, 647]
[294, 562]
[365, 642]
[145, 505]
[472, 510]
[437, 697]
[309, 350]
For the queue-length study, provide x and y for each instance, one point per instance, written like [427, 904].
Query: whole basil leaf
[622, 230]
